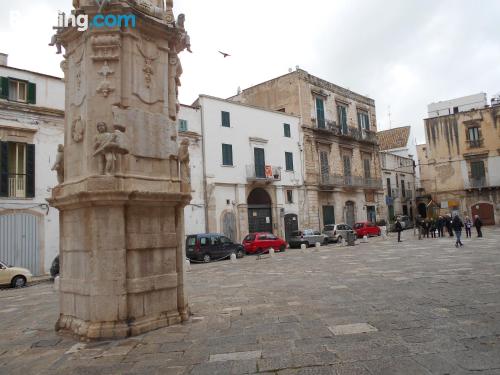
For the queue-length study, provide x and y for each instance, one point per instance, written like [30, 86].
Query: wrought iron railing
[17, 186]
[350, 181]
[268, 173]
[350, 132]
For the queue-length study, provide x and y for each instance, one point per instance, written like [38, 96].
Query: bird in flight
[224, 54]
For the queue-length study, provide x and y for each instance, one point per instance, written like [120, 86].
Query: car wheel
[18, 282]
[240, 254]
[206, 258]
[282, 248]
[379, 233]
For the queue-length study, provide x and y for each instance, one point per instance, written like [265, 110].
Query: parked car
[16, 277]
[366, 228]
[406, 223]
[211, 246]
[54, 268]
[307, 237]
[337, 232]
[262, 242]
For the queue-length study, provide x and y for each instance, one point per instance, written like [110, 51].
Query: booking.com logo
[83, 23]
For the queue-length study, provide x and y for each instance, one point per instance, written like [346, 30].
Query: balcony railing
[350, 132]
[350, 181]
[17, 186]
[268, 174]
[476, 143]
[476, 183]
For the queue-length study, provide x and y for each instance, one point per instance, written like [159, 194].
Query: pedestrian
[440, 226]
[478, 224]
[457, 227]
[399, 229]
[432, 225]
[426, 228]
[449, 227]
[468, 227]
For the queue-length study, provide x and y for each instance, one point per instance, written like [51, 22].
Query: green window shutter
[4, 169]
[183, 126]
[289, 161]
[286, 128]
[320, 113]
[328, 215]
[30, 171]
[227, 154]
[31, 93]
[226, 119]
[367, 121]
[4, 88]
[360, 120]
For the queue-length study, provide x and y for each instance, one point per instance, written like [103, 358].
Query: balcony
[265, 174]
[475, 143]
[350, 132]
[17, 186]
[330, 181]
[476, 183]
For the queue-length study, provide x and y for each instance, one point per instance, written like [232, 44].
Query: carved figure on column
[185, 171]
[107, 145]
[59, 164]
[184, 41]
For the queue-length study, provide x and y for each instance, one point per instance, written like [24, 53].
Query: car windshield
[329, 227]
[358, 225]
[249, 237]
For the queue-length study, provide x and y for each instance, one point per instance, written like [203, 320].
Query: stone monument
[121, 194]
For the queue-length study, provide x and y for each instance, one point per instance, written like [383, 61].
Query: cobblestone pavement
[420, 307]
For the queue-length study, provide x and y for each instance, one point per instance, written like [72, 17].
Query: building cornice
[27, 108]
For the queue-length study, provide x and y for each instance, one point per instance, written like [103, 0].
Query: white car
[14, 276]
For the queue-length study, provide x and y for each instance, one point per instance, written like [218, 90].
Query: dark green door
[328, 215]
[260, 162]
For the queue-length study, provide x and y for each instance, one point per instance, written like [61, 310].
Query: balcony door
[260, 162]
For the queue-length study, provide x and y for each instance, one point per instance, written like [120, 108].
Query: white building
[251, 170]
[31, 127]
[462, 104]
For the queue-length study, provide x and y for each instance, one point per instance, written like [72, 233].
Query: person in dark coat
[457, 227]
[448, 225]
[399, 229]
[440, 226]
[426, 228]
[468, 227]
[478, 224]
[432, 225]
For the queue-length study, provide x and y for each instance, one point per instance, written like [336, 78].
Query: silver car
[337, 232]
[307, 237]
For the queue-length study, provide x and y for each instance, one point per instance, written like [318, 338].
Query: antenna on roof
[297, 67]
[389, 115]
[290, 70]
[238, 90]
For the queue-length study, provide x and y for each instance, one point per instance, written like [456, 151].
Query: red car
[366, 228]
[257, 243]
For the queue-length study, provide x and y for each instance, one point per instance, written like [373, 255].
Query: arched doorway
[291, 225]
[260, 218]
[422, 210]
[485, 212]
[350, 217]
[229, 224]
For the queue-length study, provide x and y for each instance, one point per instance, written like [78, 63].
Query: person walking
[478, 224]
[399, 228]
[426, 228]
[457, 228]
[440, 226]
[432, 225]
[468, 227]
[449, 226]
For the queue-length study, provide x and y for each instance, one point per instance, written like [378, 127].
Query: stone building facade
[31, 127]
[460, 164]
[341, 155]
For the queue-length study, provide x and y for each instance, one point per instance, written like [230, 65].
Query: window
[320, 112]
[474, 136]
[347, 165]
[289, 196]
[455, 109]
[397, 181]
[17, 170]
[342, 117]
[204, 241]
[226, 119]
[183, 125]
[325, 168]
[286, 130]
[289, 161]
[328, 215]
[363, 121]
[477, 170]
[17, 90]
[225, 240]
[227, 154]
[366, 166]
[403, 191]
[389, 190]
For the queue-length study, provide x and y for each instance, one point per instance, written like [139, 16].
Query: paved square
[435, 308]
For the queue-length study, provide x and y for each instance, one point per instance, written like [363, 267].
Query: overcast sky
[403, 54]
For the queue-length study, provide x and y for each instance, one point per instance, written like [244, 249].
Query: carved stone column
[121, 201]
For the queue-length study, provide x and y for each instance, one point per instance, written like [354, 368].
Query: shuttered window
[289, 161]
[363, 121]
[389, 190]
[286, 130]
[477, 170]
[347, 165]
[320, 112]
[226, 119]
[17, 90]
[342, 117]
[227, 154]
[17, 170]
[325, 169]
[366, 165]
[183, 126]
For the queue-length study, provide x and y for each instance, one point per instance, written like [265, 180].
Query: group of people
[453, 226]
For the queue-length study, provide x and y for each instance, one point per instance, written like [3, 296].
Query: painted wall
[464, 103]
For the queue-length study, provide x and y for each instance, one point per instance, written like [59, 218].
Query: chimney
[3, 59]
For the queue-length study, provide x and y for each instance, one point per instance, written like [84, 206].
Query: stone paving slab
[434, 309]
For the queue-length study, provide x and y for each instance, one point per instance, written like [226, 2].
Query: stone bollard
[303, 246]
[188, 265]
[343, 243]
[317, 245]
[365, 239]
[56, 283]
[233, 258]
[271, 252]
